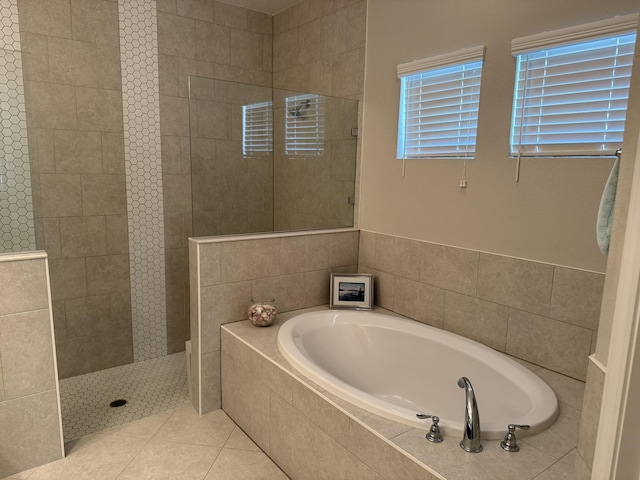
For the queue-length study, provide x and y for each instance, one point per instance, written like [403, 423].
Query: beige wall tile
[168, 75]
[177, 194]
[343, 249]
[246, 49]
[304, 253]
[55, 105]
[24, 286]
[47, 17]
[117, 234]
[103, 195]
[450, 268]
[383, 288]
[240, 396]
[259, 22]
[83, 236]
[317, 287]
[109, 69]
[477, 319]
[68, 278]
[419, 301]
[169, 6]
[357, 25]
[347, 74]
[51, 228]
[26, 349]
[334, 33]
[211, 384]
[107, 274]
[61, 195]
[198, 9]
[77, 152]
[289, 291]
[398, 256]
[230, 15]
[189, 66]
[210, 264]
[576, 297]
[250, 259]
[95, 21]
[516, 283]
[113, 153]
[552, 344]
[174, 116]
[99, 109]
[31, 432]
[72, 62]
[46, 155]
[176, 35]
[36, 46]
[89, 316]
[293, 440]
[221, 304]
[367, 249]
[334, 461]
[590, 414]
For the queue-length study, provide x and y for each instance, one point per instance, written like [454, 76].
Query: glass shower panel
[266, 160]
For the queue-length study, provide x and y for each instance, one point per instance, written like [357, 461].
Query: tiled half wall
[542, 313]
[293, 268]
[30, 421]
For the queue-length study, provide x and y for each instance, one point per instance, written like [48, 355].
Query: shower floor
[150, 387]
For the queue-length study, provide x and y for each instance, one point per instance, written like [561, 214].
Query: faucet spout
[471, 438]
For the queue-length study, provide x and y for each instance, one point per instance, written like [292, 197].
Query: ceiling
[266, 6]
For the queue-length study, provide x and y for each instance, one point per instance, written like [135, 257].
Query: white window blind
[439, 100]
[257, 129]
[304, 125]
[570, 99]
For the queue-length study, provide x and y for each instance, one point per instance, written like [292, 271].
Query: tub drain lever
[510, 443]
[434, 434]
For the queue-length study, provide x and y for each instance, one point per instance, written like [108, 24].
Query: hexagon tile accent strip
[17, 232]
[141, 110]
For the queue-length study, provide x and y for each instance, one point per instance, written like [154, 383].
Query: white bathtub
[396, 368]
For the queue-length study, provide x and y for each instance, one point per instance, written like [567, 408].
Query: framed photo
[351, 290]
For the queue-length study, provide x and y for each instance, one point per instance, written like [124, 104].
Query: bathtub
[396, 368]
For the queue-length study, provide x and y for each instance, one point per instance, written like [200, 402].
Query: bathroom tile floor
[173, 445]
[150, 387]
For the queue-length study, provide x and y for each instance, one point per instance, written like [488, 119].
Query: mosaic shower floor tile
[149, 387]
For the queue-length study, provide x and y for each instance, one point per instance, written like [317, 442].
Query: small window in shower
[304, 126]
[257, 129]
[439, 102]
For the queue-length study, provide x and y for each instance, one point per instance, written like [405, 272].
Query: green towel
[605, 212]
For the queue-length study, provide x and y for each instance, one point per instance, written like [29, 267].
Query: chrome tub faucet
[471, 438]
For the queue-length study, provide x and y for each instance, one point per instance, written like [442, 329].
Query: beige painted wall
[550, 215]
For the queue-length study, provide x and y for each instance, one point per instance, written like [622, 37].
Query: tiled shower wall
[77, 101]
[293, 268]
[545, 314]
[29, 401]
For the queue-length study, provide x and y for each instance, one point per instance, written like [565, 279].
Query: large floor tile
[244, 465]
[186, 426]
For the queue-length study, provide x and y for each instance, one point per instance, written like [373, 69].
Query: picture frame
[351, 290]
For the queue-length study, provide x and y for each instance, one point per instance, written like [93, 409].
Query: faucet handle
[434, 434]
[510, 443]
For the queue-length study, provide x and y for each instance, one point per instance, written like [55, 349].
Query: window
[304, 126]
[439, 99]
[571, 90]
[257, 129]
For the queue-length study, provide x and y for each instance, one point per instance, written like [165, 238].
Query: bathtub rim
[299, 362]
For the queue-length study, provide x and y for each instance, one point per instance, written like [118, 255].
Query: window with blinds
[257, 129]
[570, 99]
[439, 101]
[304, 125]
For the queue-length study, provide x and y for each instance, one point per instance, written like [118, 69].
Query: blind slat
[304, 125]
